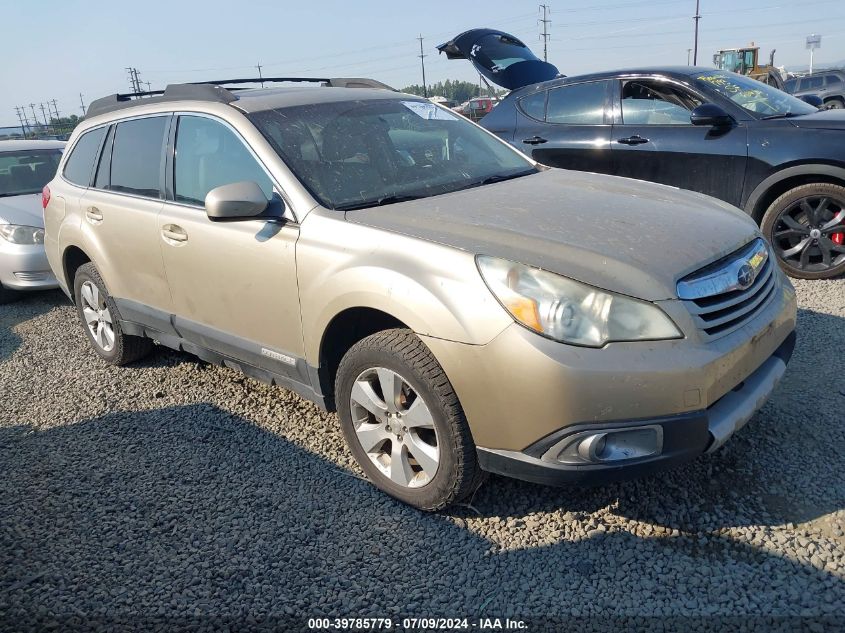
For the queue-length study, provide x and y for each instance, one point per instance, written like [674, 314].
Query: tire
[119, 348]
[806, 227]
[835, 104]
[8, 296]
[401, 353]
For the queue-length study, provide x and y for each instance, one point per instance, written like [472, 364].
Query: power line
[545, 34]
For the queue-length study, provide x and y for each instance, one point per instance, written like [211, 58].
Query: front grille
[33, 276]
[715, 296]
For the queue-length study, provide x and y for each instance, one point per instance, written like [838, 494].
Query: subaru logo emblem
[745, 276]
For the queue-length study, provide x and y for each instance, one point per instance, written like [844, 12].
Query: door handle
[633, 140]
[94, 215]
[534, 140]
[174, 233]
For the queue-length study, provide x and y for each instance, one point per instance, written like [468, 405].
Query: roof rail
[214, 91]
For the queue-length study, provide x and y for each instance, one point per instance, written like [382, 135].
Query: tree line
[457, 90]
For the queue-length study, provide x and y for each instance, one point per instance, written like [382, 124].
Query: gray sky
[55, 49]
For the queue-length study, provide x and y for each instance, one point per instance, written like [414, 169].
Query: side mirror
[711, 115]
[236, 201]
[813, 100]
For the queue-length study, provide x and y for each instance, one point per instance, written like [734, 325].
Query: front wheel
[806, 227]
[835, 104]
[403, 421]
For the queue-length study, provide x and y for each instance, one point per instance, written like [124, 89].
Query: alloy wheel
[809, 235]
[97, 316]
[395, 427]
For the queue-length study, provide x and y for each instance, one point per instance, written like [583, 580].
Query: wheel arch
[782, 181]
[344, 330]
[72, 258]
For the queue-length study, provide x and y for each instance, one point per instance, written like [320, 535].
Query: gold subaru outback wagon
[462, 308]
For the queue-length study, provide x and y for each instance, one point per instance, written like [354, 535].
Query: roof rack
[214, 91]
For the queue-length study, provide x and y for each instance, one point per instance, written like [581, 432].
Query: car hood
[25, 210]
[821, 120]
[500, 57]
[622, 235]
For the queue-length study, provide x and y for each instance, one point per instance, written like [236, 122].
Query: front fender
[435, 290]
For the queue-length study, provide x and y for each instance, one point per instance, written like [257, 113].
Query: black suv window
[80, 163]
[534, 105]
[136, 156]
[578, 104]
[812, 83]
[648, 102]
[208, 155]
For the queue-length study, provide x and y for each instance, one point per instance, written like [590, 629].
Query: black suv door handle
[633, 140]
[535, 140]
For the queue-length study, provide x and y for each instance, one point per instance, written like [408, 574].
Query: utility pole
[55, 108]
[43, 116]
[545, 34]
[81, 104]
[697, 17]
[34, 116]
[260, 76]
[134, 79]
[422, 63]
[20, 118]
[148, 85]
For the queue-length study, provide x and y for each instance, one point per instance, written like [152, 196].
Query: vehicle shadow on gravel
[192, 511]
[27, 307]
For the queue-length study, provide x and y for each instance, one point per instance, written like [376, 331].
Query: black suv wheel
[806, 227]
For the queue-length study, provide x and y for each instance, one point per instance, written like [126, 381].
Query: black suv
[715, 132]
[828, 86]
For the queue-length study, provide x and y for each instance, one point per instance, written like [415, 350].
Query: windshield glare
[754, 96]
[25, 172]
[357, 153]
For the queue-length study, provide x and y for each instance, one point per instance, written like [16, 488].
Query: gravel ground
[175, 489]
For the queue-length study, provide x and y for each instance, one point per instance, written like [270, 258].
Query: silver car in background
[25, 167]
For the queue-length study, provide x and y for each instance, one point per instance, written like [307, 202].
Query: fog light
[608, 445]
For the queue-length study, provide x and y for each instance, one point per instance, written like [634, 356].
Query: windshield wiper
[496, 178]
[378, 202]
[780, 115]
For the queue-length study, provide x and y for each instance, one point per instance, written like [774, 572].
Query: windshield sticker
[429, 111]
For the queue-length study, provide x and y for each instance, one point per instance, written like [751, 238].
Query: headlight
[17, 234]
[569, 311]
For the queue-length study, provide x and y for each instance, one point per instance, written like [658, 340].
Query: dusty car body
[463, 308]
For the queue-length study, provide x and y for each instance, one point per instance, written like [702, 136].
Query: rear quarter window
[534, 105]
[577, 104]
[80, 163]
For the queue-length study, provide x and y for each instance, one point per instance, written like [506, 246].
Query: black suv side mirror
[235, 201]
[813, 100]
[711, 115]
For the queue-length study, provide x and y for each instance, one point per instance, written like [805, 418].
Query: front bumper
[683, 437]
[25, 267]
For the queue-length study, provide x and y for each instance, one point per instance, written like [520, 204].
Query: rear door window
[578, 104]
[80, 163]
[209, 155]
[137, 155]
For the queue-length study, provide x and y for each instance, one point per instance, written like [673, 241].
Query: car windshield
[27, 171]
[754, 96]
[354, 154]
